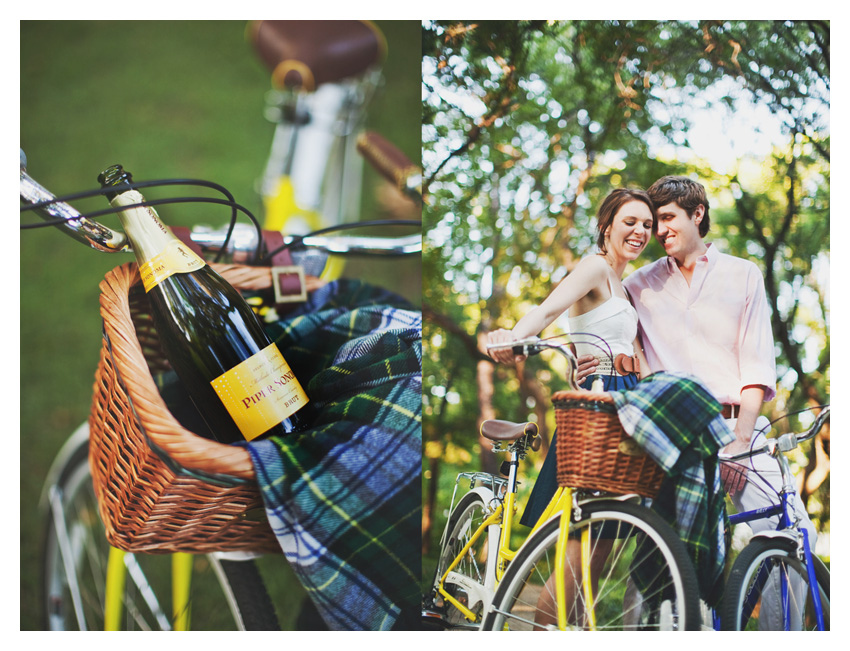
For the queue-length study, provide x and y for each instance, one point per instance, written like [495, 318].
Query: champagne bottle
[235, 375]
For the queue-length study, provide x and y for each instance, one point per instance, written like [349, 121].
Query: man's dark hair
[688, 194]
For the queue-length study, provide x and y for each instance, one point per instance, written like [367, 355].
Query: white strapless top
[615, 321]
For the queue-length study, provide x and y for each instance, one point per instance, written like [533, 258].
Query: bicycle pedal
[433, 619]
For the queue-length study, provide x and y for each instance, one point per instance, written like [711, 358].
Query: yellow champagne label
[260, 392]
[175, 258]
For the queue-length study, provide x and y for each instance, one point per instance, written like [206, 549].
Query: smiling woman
[625, 222]
[593, 296]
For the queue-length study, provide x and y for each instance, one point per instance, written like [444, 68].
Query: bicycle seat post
[513, 469]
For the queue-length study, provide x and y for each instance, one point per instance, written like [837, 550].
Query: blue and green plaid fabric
[343, 497]
[679, 424]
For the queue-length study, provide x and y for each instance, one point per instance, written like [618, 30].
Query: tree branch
[446, 323]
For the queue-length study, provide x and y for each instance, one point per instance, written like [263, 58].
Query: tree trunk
[432, 431]
[532, 387]
[486, 411]
[430, 504]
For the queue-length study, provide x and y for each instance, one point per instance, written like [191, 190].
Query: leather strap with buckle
[289, 285]
[287, 279]
[625, 364]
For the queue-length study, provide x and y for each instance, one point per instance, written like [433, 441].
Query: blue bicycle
[777, 583]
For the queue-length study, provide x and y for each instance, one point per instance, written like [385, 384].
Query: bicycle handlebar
[237, 239]
[783, 443]
[391, 163]
[534, 345]
[529, 346]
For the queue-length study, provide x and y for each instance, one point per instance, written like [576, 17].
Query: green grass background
[164, 99]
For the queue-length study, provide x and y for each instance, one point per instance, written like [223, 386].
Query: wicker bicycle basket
[160, 487]
[593, 450]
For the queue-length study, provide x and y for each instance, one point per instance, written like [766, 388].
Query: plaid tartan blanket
[343, 497]
[679, 424]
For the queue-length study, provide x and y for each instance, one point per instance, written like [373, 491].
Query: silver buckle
[289, 298]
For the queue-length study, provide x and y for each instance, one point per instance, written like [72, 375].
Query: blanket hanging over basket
[680, 426]
[343, 497]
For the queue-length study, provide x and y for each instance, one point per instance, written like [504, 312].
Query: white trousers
[763, 484]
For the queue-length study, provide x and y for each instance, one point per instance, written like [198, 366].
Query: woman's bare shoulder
[592, 264]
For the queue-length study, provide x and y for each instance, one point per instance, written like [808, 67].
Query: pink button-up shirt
[716, 329]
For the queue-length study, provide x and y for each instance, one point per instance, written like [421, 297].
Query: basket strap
[288, 281]
[287, 278]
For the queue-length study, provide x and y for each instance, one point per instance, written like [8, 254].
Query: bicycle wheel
[763, 571]
[466, 582]
[225, 594]
[642, 577]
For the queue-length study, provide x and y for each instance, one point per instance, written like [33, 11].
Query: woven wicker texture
[160, 487]
[594, 452]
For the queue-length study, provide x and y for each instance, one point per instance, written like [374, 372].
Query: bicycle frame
[786, 526]
[502, 517]
[313, 175]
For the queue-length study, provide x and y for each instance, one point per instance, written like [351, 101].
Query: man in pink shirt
[704, 313]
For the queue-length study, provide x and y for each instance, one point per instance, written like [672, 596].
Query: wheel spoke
[769, 589]
[638, 572]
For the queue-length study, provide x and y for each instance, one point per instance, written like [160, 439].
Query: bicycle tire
[638, 539]
[744, 586]
[235, 598]
[464, 520]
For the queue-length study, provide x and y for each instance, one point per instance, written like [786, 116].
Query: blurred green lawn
[164, 99]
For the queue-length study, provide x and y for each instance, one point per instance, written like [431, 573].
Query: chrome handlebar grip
[81, 228]
[534, 345]
[362, 245]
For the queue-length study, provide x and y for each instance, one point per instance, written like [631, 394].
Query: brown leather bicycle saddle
[503, 430]
[308, 53]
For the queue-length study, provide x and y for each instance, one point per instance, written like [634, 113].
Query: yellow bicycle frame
[561, 503]
[281, 207]
[116, 578]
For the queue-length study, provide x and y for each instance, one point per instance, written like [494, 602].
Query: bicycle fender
[485, 493]
[78, 438]
[788, 534]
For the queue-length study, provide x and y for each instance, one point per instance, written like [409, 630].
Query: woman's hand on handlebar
[503, 355]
